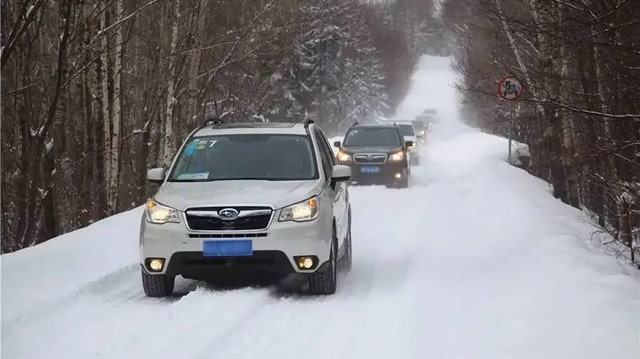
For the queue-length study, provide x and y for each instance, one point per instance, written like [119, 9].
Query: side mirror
[337, 144]
[409, 143]
[341, 173]
[156, 175]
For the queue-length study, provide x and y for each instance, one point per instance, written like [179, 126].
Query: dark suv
[376, 153]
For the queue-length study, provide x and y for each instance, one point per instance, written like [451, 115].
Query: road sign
[510, 88]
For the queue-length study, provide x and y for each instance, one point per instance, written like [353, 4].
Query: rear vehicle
[429, 117]
[421, 130]
[264, 197]
[409, 133]
[377, 154]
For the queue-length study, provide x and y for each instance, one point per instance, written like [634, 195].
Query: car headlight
[344, 157]
[398, 156]
[159, 214]
[300, 212]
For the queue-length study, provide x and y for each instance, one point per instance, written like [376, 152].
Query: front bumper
[386, 174]
[274, 249]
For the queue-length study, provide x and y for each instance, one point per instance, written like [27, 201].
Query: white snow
[475, 260]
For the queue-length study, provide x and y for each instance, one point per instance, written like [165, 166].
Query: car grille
[227, 235]
[208, 219]
[370, 158]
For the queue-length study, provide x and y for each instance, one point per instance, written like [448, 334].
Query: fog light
[398, 175]
[306, 262]
[156, 264]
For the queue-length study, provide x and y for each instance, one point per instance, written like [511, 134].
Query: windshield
[387, 137]
[418, 125]
[236, 157]
[406, 130]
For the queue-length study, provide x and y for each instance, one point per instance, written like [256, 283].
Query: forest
[95, 92]
[579, 61]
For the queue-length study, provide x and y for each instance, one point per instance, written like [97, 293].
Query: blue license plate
[370, 169]
[227, 248]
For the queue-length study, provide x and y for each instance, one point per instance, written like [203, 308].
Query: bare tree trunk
[194, 66]
[625, 230]
[106, 105]
[609, 163]
[568, 136]
[169, 140]
[114, 180]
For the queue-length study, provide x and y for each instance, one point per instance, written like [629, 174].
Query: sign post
[510, 89]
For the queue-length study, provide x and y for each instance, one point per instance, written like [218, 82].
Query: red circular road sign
[510, 88]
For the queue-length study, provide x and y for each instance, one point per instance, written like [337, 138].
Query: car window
[382, 136]
[326, 167]
[406, 130]
[327, 148]
[255, 156]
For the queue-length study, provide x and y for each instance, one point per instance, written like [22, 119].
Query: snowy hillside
[475, 260]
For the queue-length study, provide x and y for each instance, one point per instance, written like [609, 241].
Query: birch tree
[579, 114]
[95, 92]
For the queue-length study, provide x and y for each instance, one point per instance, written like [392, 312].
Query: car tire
[404, 183]
[347, 258]
[325, 280]
[158, 285]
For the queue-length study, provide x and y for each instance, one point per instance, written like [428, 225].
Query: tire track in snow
[351, 321]
[207, 321]
[202, 313]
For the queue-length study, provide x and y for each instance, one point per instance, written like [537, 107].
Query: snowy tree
[579, 114]
[94, 93]
[332, 74]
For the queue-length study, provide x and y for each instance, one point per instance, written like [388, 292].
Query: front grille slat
[251, 218]
[229, 235]
[370, 158]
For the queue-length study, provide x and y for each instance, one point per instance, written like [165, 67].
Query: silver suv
[262, 196]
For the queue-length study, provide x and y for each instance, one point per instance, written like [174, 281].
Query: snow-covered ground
[475, 260]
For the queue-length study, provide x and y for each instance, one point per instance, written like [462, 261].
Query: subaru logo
[228, 214]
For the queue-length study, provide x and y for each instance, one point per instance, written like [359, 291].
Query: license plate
[227, 248]
[370, 169]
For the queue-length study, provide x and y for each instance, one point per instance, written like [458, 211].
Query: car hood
[182, 195]
[371, 149]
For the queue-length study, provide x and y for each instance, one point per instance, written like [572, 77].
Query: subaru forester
[265, 196]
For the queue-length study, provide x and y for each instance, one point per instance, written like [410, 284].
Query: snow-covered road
[475, 260]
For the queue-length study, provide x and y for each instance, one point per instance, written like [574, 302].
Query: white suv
[265, 196]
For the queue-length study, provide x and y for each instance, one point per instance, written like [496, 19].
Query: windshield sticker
[191, 149]
[194, 176]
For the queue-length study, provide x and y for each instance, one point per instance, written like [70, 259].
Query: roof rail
[211, 121]
[307, 122]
